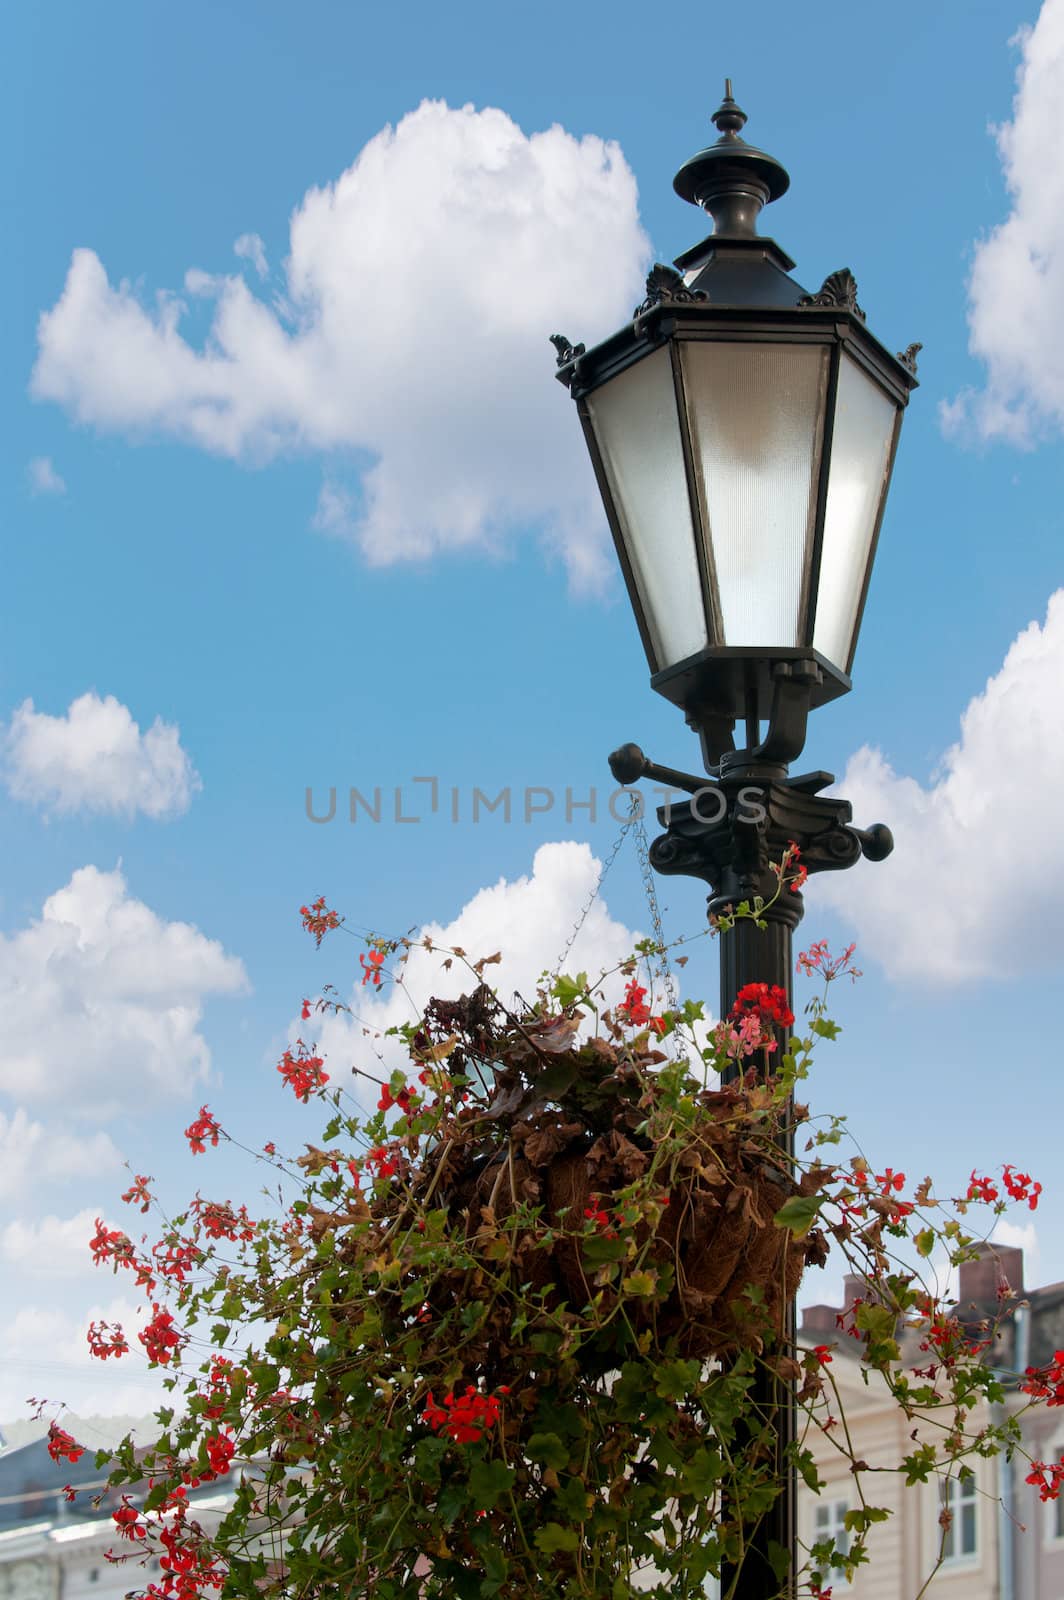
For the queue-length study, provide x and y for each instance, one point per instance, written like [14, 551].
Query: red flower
[111, 1244]
[1021, 1186]
[371, 967]
[137, 1194]
[381, 1159]
[818, 958]
[318, 919]
[981, 1189]
[767, 1001]
[790, 872]
[601, 1219]
[1047, 1383]
[204, 1128]
[220, 1221]
[69, 1494]
[1047, 1478]
[269, 1149]
[305, 1013]
[61, 1445]
[103, 1342]
[404, 1099]
[127, 1521]
[823, 1354]
[465, 1418]
[302, 1071]
[220, 1449]
[635, 1009]
[160, 1338]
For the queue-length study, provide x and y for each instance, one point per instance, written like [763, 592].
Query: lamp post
[743, 432]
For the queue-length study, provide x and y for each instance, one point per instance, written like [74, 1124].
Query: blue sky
[362, 546]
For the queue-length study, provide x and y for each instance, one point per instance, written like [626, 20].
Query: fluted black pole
[749, 954]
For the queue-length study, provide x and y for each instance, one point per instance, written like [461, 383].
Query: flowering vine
[502, 1337]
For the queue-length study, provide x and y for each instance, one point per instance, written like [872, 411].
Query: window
[831, 1524]
[961, 1541]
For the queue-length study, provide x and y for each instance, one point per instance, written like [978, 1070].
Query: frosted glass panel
[756, 423]
[860, 459]
[635, 421]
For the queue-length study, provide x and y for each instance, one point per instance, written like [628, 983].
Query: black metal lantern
[743, 433]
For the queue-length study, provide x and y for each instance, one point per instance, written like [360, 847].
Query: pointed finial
[731, 179]
[728, 117]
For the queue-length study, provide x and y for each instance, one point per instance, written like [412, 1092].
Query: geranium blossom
[62, 1446]
[106, 1341]
[203, 1129]
[635, 1009]
[464, 1418]
[304, 1073]
[160, 1338]
[1021, 1186]
[318, 919]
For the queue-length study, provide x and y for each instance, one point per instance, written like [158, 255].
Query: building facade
[1001, 1541]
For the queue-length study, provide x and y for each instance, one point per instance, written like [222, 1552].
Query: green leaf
[675, 1379]
[799, 1213]
[779, 1558]
[571, 1500]
[548, 1449]
[644, 1285]
[567, 991]
[702, 1474]
[825, 1027]
[920, 1465]
[598, 1250]
[488, 1480]
[496, 1567]
[553, 1537]
[925, 1241]
[453, 1497]
[861, 1520]
[877, 1321]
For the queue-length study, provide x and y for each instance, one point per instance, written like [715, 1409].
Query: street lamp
[743, 432]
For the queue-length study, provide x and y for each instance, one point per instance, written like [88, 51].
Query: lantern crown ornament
[743, 429]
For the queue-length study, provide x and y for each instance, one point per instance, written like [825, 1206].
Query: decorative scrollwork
[566, 350]
[665, 287]
[908, 356]
[838, 289]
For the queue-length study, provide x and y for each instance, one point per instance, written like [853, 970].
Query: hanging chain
[664, 970]
[634, 815]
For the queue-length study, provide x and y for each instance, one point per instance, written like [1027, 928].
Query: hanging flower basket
[570, 1186]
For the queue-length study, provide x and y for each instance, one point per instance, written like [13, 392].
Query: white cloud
[421, 288]
[51, 1247]
[249, 247]
[32, 1154]
[95, 758]
[46, 1354]
[975, 887]
[43, 477]
[527, 920]
[1016, 289]
[102, 1000]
